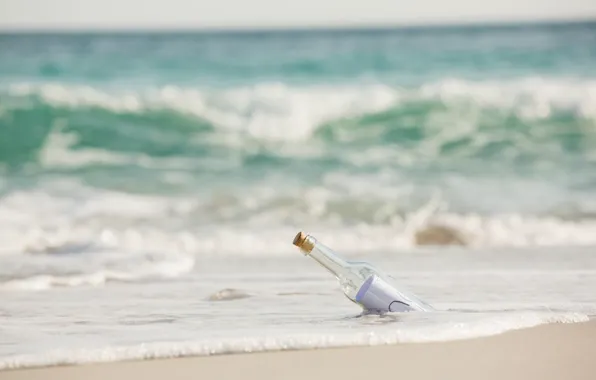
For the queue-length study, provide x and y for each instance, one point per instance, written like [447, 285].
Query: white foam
[170, 267]
[56, 152]
[532, 97]
[269, 111]
[416, 332]
[504, 231]
[64, 216]
[278, 112]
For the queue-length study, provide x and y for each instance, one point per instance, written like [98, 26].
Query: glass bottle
[361, 282]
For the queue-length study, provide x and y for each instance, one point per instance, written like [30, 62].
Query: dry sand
[557, 351]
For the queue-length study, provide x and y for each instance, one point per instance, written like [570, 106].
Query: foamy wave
[53, 221]
[170, 268]
[270, 240]
[285, 342]
[57, 152]
[275, 111]
[270, 111]
[531, 97]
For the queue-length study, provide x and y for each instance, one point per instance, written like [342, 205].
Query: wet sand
[556, 351]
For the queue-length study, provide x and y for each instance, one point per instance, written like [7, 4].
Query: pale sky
[126, 14]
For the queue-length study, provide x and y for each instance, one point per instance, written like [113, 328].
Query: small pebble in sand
[228, 295]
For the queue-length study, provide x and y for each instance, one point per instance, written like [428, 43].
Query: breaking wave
[204, 170]
[446, 118]
[39, 223]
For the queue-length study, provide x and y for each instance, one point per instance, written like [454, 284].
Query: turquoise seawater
[490, 131]
[151, 185]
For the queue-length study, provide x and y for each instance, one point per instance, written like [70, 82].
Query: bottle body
[362, 283]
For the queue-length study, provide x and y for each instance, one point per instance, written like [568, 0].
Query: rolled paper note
[376, 295]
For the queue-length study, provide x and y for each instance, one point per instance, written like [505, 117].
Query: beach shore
[555, 351]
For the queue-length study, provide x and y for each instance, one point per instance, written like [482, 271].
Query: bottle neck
[326, 257]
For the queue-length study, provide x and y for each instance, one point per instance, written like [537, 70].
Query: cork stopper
[303, 241]
[299, 239]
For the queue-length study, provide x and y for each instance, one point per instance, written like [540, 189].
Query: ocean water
[151, 185]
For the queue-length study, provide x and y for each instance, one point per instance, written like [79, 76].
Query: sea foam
[279, 112]
[479, 326]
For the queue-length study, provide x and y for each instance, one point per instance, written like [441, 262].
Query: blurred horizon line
[318, 28]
